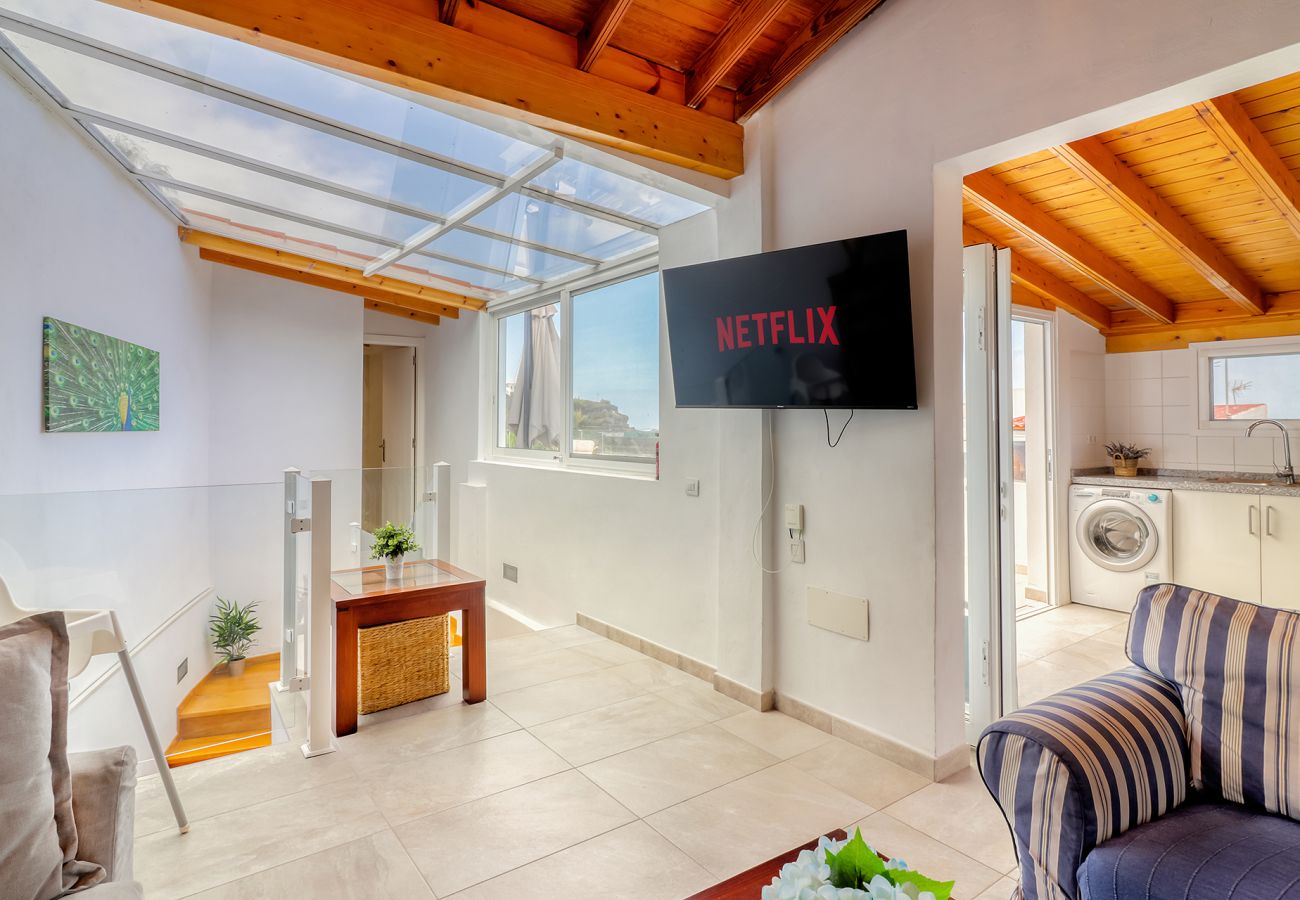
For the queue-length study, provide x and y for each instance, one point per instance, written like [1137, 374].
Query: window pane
[1266, 386]
[199, 118]
[558, 226]
[573, 178]
[530, 381]
[503, 255]
[616, 369]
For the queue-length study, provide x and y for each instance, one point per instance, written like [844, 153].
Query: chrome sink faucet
[1287, 474]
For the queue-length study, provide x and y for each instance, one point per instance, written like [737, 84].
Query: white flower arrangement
[850, 870]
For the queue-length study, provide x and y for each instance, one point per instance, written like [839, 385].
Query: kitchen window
[1243, 381]
[577, 376]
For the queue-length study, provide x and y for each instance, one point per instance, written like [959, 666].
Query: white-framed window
[577, 375]
[1239, 382]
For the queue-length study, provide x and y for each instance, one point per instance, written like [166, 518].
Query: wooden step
[225, 714]
[182, 753]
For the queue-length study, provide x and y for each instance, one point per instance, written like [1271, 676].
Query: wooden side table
[429, 587]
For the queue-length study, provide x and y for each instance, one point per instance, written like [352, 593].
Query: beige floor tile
[372, 868]
[500, 625]
[511, 674]
[442, 780]
[1090, 654]
[570, 635]
[388, 743]
[1040, 678]
[660, 774]
[1005, 889]
[1088, 619]
[253, 839]
[565, 696]
[630, 863]
[859, 773]
[775, 732]
[960, 812]
[517, 646]
[589, 736]
[754, 818]
[610, 652]
[1038, 636]
[1117, 635]
[703, 699]
[927, 855]
[489, 837]
[653, 675]
[233, 782]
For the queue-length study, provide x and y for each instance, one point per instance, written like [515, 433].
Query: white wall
[856, 141]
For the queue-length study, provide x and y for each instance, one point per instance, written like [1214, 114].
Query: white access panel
[839, 613]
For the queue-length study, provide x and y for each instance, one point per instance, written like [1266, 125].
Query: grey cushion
[38, 840]
[103, 801]
[1207, 850]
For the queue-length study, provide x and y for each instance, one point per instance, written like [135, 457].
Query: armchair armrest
[103, 806]
[1083, 766]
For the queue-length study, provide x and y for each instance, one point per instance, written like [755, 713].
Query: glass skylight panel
[121, 93]
[287, 81]
[489, 281]
[504, 255]
[170, 164]
[226, 219]
[547, 223]
[573, 178]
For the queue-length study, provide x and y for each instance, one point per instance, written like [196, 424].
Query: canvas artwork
[94, 382]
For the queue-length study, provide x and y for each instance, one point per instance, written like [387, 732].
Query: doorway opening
[389, 436]
[1032, 428]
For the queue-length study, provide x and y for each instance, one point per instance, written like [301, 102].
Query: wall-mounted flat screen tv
[821, 327]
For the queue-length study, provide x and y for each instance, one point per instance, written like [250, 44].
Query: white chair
[92, 632]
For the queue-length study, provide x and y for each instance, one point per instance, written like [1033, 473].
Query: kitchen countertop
[1191, 480]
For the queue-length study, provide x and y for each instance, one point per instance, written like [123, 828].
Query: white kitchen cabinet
[1217, 542]
[1280, 551]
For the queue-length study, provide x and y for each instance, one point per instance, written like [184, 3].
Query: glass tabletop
[414, 575]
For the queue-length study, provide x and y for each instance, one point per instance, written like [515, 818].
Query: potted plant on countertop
[232, 627]
[392, 543]
[1124, 458]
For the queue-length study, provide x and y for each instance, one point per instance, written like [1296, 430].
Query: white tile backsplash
[1150, 400]
[1145, 391]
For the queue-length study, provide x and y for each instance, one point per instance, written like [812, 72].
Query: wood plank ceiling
[668, 79]
[1180, 228]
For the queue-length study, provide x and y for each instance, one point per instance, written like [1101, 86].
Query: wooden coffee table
[429, 587]
[750, 883]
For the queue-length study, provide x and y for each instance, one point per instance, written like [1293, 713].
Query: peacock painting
[94, 382]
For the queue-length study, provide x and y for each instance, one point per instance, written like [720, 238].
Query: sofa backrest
[1237, 667]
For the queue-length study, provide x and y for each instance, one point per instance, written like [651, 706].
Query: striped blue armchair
[1175, 779]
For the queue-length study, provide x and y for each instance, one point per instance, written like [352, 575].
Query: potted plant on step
[1124, 458]
[233, 627]
[392, 543]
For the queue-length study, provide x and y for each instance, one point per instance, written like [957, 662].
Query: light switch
[692, 487]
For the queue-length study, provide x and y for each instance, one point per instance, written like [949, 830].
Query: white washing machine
[1120, 541]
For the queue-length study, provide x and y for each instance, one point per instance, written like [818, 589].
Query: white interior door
[990, 527]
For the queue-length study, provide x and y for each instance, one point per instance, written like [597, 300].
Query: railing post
[320, 707]
[288, 656]
[442, 507]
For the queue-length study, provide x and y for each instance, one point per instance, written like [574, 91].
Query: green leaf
[941, 889]
[855, 865]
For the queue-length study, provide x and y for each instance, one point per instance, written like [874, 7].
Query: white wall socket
[796, 551]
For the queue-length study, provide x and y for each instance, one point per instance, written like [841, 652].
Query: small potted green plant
[1124, 458]
[232, 627]
[391, 544]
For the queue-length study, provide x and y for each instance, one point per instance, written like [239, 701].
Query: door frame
[418, 344]
[1057, 487]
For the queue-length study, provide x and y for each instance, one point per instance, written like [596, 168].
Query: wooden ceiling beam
[382, 41]
[1027, 274]
[597, 35]
[1106, 172]
[832, 22]
[401, 312]
[1206, 320]
[1233, 127]
[332, 276]
[996, 198]
[727, 49]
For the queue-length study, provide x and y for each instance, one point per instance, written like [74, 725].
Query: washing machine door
[1117, 535]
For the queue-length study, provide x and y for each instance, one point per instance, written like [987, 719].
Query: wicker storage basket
[401, 663]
